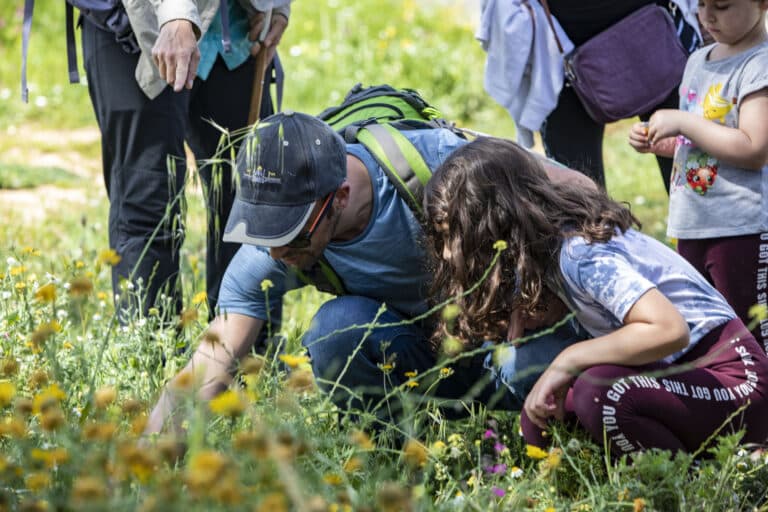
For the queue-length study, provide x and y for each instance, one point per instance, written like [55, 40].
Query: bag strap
[545, 5]
[29, 7]
[400, 160]
[74, 75]
[226, 39]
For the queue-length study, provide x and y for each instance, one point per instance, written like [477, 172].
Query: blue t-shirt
[604, 280]
[385, 262]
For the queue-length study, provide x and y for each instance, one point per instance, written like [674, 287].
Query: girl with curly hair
[669, 362]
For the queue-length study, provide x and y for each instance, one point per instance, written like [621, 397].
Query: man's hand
[278, 24]
[176, 54]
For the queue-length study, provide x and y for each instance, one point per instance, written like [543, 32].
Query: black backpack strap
[279, 79]
[29, 7]
[74, 75]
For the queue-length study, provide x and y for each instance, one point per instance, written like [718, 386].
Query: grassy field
[75, 386]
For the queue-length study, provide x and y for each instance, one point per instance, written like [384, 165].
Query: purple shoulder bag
[628, 68]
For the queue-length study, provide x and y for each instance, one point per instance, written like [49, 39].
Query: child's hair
[492, 189]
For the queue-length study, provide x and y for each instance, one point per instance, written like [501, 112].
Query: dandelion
[131, 406]
[415, 453]
[7, 392]
[46, 293]
[109, 257]
[446, 372]
[49, 397]
[199, 298]
[104, 397]
[361, 440]
[52, 419]
[229, 403]
[100, 431]
[43, 332]
[266, 284]
[80, 287]
[535, 452]
[37, 481]
[23, 406]
[554, 458]
[139, 462]
[638, 505]
[20, 287]
[255, 443]
[38, 379]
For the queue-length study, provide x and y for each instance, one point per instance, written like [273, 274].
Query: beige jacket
[147, 16]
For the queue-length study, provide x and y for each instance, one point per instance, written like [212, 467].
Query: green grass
[288, 446]
[22, 176]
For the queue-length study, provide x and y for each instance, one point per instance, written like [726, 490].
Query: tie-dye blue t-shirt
[604, 280]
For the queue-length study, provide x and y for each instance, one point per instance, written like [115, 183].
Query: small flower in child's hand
[500, 245]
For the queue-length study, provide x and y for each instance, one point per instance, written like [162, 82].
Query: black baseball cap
[288, 162]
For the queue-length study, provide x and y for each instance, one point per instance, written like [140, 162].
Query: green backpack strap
[402, 162]
[323, 277]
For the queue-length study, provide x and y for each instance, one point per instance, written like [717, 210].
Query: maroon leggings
[679, 409]
[738, 267]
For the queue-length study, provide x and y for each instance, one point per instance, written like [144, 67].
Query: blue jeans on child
[362, 363]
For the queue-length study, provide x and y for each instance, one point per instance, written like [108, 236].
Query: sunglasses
[303, 240]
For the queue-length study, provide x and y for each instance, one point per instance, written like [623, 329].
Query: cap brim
[265, 225]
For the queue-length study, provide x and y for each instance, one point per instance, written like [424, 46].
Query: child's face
[730, 21]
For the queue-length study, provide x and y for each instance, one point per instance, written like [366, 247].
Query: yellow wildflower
[553, 458]
[187, 317]
[140, 462]
[104, 296]
[758, 312]
[138, 424]
[415, 453]
[386, 367]
[252, 365]
[131, 406]
[80, 286]
[205, 469]
[411, 374]
[353, 464]
[253, 442]
[38, 378]
[199, 298]
[300, 381]
[17, 270]
[411, 383]
[109, 257]
[361, 440]
[638, 505]
[446, 372]
[393, 497]
[46, 293]
[20, 286]
[273, 502]
[30, 250]
[104, 432]
[500, 245]
[535, 452]
[23, 406]
[438, 448]
[229, 403]
[37, 481]
[88, 488]
[294, 361]
[332, 479]
[7, 392]
[50, 458]
[79, 264]
[9, 367]
[13, 427]
[104, 397]
[43, 332]
[50, 396]
[266, 284]
[450, 312]
[52, 419]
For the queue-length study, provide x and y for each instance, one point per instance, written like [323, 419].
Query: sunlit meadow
[76, 386]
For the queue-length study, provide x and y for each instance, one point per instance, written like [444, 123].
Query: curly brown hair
[489, 190]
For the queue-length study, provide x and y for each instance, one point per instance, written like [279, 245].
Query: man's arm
[228, 339]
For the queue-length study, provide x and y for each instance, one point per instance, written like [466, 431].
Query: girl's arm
[652, 330]
[745, 146]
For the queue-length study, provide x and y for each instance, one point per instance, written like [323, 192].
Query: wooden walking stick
[259, 70]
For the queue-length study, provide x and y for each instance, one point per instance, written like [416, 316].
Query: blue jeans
[351, 359]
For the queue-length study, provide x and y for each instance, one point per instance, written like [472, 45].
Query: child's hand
[664, 123]
[638, 138]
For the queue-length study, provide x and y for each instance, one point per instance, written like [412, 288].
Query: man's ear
[342, 196]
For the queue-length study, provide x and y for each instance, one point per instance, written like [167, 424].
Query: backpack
[375, 116]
